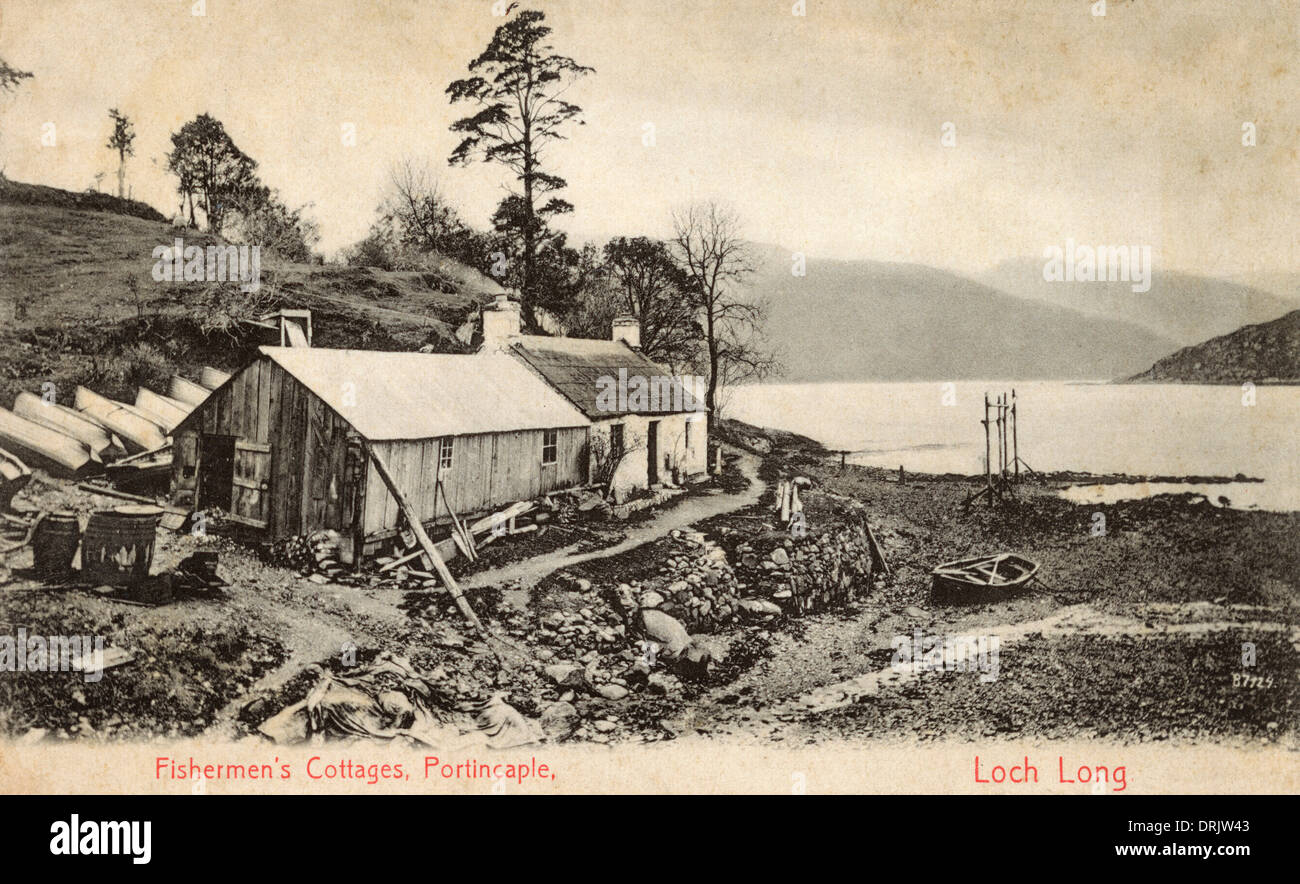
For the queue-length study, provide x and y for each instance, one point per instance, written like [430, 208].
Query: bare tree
[708, 245]
[423, 219]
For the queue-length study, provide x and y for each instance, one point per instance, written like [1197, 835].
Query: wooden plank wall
[488, 471]
[265, 404]
[310, 486]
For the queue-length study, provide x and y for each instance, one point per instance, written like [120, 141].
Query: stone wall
[815, 572]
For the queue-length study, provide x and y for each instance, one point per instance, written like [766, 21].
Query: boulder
[758, 608]
[566, 675]
[559, 720]
[612, 691]
[696, 659]
[667, 631]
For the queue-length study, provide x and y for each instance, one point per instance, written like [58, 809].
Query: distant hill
[1268, 352]
[1180, 306]
[868, 320]
[78, 302]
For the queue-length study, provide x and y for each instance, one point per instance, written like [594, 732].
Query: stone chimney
[500, 321]
[627, 328]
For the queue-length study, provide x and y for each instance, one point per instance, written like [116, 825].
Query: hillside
[79, 305]
[1180, 306]
[1265, 353]
[867, 320]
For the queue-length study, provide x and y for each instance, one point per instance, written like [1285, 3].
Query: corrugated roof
[574, 366]
[422, 395]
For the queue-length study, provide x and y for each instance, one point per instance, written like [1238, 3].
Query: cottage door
[652, 453]
[250, 501]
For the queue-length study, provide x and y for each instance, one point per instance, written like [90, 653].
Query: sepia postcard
[478, 397]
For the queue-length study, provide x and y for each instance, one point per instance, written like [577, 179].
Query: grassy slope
[78, 303]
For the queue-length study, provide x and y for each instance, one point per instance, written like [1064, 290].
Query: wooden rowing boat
[14, 476]
[981, 578]
[167, 411]
[187, 391]
[212, 377]
[42, 446]
[137, 431]
[95, 436]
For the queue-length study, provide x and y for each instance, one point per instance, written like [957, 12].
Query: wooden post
[988, 463]
[413, 520]
[1002, 437]
[1006, 433]
[1002, 433]
[877, 553]
[1015, 441]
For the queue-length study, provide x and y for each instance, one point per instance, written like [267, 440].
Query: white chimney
[627, 328]
[500, 321]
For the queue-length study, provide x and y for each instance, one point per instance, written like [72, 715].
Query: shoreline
[1167, 587]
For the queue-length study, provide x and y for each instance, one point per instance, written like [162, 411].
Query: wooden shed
[278, 445]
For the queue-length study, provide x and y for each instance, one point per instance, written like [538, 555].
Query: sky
[823, 131]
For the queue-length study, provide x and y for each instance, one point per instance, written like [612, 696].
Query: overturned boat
[213, 377]
[981, 578]
[162, 410]
[187, 391]
[85, 429]
[41, 446]
[137, 431]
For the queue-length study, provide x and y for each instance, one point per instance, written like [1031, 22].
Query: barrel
[118, 547]
[54, 544]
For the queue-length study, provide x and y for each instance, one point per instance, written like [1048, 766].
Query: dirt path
[705, 506]
[350, 614]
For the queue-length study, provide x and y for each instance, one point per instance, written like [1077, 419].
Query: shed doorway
[216, 472]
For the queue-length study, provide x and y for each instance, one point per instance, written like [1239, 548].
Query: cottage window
[550, 444]
[444, 454]
[615, 441]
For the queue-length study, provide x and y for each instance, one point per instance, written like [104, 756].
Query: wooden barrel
[118, 547]
[54, 544]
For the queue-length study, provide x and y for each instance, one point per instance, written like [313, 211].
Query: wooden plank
[413, 520]
[263, 402]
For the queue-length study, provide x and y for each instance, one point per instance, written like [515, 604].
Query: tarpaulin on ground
[389, 700]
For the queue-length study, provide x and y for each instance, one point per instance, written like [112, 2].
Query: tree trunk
[528, 295]
[710, 396]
